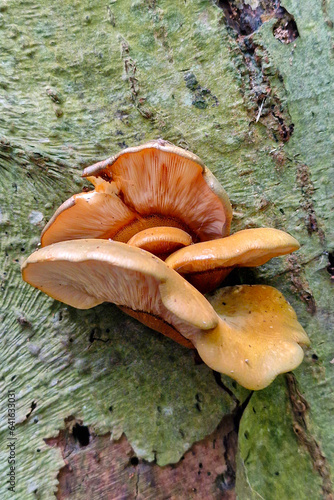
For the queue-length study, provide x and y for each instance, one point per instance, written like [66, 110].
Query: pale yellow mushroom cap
[258, 336]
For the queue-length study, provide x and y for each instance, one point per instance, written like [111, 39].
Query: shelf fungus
[208, 263]
[153, 185]
[88, 272]
[251, 333]
[158, 202]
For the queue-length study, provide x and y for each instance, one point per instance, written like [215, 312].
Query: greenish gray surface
[80, 80]
[266, 431]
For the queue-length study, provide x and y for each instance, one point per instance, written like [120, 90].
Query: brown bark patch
[307, 189]
[264, 101]
[110, 469]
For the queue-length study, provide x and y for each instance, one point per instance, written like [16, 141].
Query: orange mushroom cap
[155, 184]
[161, 240]
[207, 263]
[251, 333]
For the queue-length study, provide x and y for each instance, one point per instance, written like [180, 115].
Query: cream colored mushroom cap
[85, 273]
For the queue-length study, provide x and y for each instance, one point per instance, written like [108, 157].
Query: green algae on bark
[78, 82]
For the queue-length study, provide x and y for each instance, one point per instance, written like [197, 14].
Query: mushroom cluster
[152, 237]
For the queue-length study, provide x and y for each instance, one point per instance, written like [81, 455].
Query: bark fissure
[263, 101]
[300, 285]
[305, 183]
[300, 408]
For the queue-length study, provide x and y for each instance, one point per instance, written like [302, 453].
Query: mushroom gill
[155, 184]
[85, 273]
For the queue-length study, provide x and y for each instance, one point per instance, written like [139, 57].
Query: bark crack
[300, 285]
[300, 408]
[265, 102]
[305, 183]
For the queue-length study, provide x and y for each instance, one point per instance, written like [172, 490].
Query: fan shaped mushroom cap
[207, 263]
[94, 214]
[85, 273]
[155, 184]
[258, 336]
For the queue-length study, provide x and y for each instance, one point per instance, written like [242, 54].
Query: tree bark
[249, 88]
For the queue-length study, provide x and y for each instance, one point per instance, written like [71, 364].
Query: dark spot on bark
[285, 30]
[330, 267]
[305, 183]
[226, 481]
[190, 80]
[202, 97]
[134, 461]
[81, 434]
[32, 408]
[199, 397]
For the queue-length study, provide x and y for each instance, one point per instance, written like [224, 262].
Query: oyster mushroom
[206, 264]
[249, 332]
[257, 338]
[85, 273]
[156, 184]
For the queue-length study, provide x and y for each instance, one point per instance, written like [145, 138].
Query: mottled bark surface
[105, 408]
